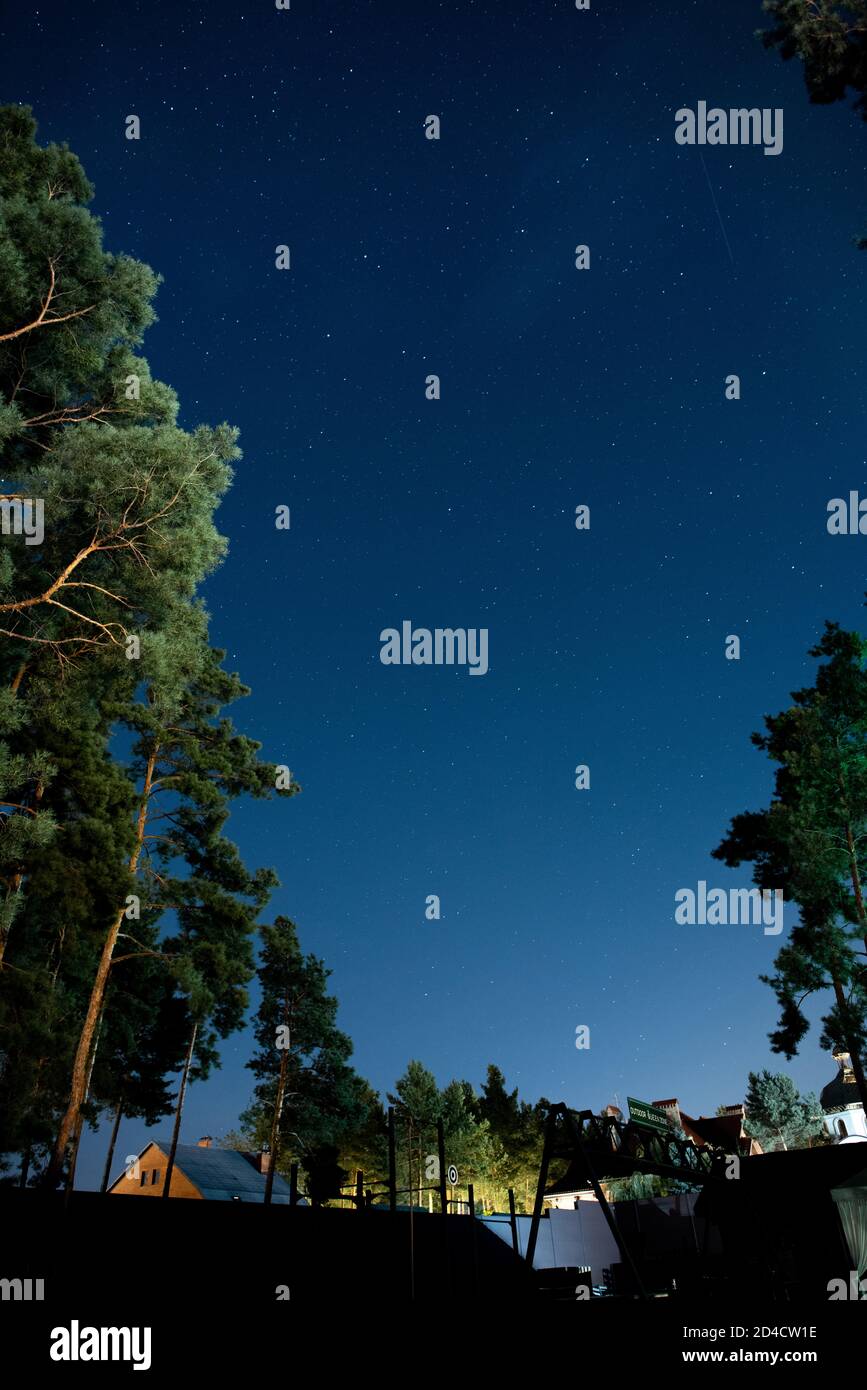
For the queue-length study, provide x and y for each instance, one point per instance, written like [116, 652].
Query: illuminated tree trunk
[118, 1115]
[78, 1085]
[278, 1111]
[182, 1090]
[79, 1123]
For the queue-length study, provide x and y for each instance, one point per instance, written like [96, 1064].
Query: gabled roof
[722, 1131]
[222, 1174]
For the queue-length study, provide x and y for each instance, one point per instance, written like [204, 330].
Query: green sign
[644, 1114]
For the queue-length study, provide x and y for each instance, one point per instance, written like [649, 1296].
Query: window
[155, 1177]
[144, 1177]
[841, 1129]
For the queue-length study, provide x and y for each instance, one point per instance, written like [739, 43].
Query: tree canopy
[123, 900]
[811, 842]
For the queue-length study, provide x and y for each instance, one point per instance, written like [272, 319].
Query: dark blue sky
[559, 387]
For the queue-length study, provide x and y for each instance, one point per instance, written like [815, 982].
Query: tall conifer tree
[811, 841]
[307, 1098]
[96, 608]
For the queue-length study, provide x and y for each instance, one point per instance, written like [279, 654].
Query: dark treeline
[310, 1107]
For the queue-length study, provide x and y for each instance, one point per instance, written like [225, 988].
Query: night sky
[560, 387]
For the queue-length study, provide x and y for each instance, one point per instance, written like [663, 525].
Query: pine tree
[518, 1128]
[102, 602]
[128, 498]
[364, 1136]
[188, 762]
[76, 878]
[811, 841]
[470, 1144]
[830, 38]
[146, 1033]
[777, 1115]
[25, 825]
[84, 429]
[417, 1107]
[71, 314]
[307, 1099]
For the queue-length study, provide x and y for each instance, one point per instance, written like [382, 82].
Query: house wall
[853, 1120]
[131, 1186]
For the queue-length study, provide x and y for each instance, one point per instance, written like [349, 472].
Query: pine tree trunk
[73, 1154]
[278, 1112]
[78, 1084]
[79, 1123]
[118, 1115]
[179, 1111]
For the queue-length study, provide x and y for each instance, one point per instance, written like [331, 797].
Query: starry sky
[559, 387]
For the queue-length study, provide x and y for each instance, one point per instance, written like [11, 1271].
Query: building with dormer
[841, 1104]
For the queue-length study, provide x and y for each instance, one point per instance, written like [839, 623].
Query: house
[722, 1131]
[841, 1106]
[201, 1173]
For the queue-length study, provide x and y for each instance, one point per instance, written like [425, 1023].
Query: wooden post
[441, 1148]
[540, 1188]
[471, 1193]
[444, 1201]
[513, 1222]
